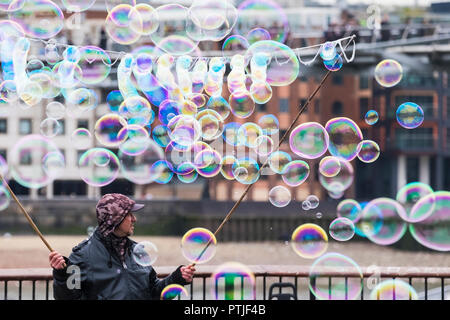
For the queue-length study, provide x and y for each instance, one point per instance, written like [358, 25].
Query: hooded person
[103, 267]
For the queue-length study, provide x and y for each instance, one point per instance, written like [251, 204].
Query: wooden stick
[24, 211]
[230, 213]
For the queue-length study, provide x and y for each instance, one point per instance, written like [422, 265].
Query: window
[26, 159]
[25, 126]
[4, 154]
[3, 126]
[316, 106]
[363, 82]
[363, 107]
[412, 169]
[337, 108]
[284, 105]
[83, 123]
[337, 79]
[261, 107]
[62, 130]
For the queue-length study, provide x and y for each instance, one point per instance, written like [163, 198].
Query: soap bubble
[350, 209]
[344, 138]
[409, 115]
[50, 127]
[198, 245]
[295, 173]
[342, 287]
[388, 73]
[309, 140]
[329, 166]
[55, 110]
[369, 151]
[393, 289]
[409, 195]
[309, 241]
[371, 117]
[313, 201]
[232, 272]
[98, 167]
[279, 196]
[145, 253]
[334, 64]
[173, 291]
[342, 229]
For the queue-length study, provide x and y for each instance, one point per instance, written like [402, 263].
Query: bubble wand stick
[24, 211]
[236, 205]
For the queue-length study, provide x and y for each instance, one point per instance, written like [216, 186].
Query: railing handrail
[42, 274]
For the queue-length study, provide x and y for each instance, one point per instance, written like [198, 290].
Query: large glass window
[25, 126]
[284, 105]
[3, 126]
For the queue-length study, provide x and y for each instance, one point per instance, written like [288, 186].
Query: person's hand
[56, 260]
[187, 273]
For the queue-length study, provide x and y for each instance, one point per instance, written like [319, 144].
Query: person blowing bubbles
[105, 264]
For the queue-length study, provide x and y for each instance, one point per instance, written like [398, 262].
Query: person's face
[126, 227]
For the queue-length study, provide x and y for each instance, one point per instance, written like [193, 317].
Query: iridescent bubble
[184, 130]
[334, 64]
[41, 19]
[264, 145]
[409, 195]
[241, 104]
[44, 77]
[329, 166]
[261, 13]
[249, 167]
[230, 273]
[350, 209]
[150, 18]
[211, 19]
[50, 127]
[98, 167]
[261, 92]
[340, 182]
[309, 140]
[137, 142]
[345, 136]
[31, 93]
[169, 39]
[250, 132]
[278, 160]
[309, 241]
[393, 289]
[220, 105]
[163, 170]
[279, 196]
[8, 91]
[160, 135]
[145, 253]
[167, 110]
[235, 44]
[369, 151]
[211, 126]
[381, 221]
[341, 288]
[306, 205]
[188, 178]
[31, 150]
[109, 130]
[409, 115]
[371, 117]
[269, 124]
[328, 51]
[432, 232]
[114, 100]
[52, 55]
[295, 173]
[227, 167]
[230, 134]
[208, 163]
[174, 291]
[5, 198]
[388, 73]
[313, 201]
[257, 34]
[282, 67]
[83, 99]
[124, 24]
[95, 65]
[55, 110]
[198, 245]
[342, 229]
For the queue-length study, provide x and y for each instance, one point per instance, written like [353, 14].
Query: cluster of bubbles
[384, 221]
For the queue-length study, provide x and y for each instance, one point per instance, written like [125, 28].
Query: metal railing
[429, 283]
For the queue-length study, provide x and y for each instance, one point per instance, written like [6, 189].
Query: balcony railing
[430, 283]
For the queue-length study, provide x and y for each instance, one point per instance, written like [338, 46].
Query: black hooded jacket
[102, 276]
